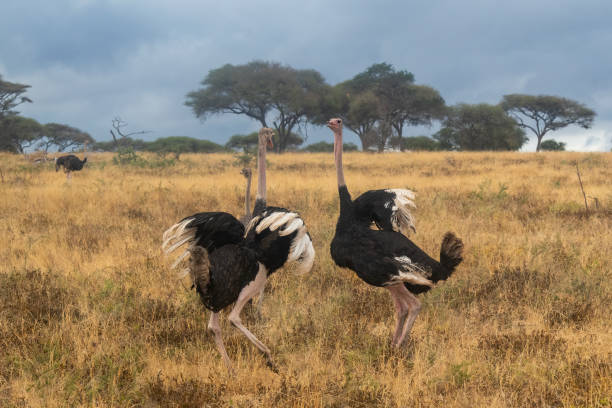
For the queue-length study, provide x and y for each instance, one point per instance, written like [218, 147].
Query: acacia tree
[259, 89]
[380, 102]
[178, 145]
[416, 105]
[10, 97]
[64, 137]
[358, 111]
[552, 145]
[18, 133]
[479, 127]
[247, 143]
[544, 113]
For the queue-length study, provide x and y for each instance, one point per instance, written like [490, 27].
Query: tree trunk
[363, 139]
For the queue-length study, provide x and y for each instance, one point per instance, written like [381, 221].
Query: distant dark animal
[70, 163]
[385, 257]
[228, 265]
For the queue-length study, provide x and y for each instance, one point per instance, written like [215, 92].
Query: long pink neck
[338, 157]
[261, 171]
[247, 206]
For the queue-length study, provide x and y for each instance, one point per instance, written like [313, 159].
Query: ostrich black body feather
[215, 229]
[270, 240]
[226, 267]
[272, 249]
[379, 257]
[231, 268]
[70, 163]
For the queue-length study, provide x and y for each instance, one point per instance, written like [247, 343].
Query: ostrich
[228, 265]
[247, 173]
[70, 163]
[223, 269]
[385, 257]
[277, 247]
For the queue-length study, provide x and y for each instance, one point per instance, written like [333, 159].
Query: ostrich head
[246, 172]
[335, 124]
[265, 137]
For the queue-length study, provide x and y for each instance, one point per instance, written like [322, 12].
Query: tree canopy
[380, 102]
[11, 96]
[329, 147]
[64, 137]
[259, 89]
[544, 113]
[479, 127]
[176, 145]
[423, 143]
[552, 145]
[18, 133]
[247, 143]
[182, 144]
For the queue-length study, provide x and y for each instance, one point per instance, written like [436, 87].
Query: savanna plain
[91, 314]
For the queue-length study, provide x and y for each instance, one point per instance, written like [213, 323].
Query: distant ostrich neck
[261, 164]
[338, 156]
[247, 207]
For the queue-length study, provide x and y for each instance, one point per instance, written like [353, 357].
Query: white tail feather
[301, 250]
[282, 221]
[251, 224]
[298, 244]
[185, 237]
[291, 226]
[177, 236]
[413, 278]
[174, 232]
[179, 259]
[305, 262]
[401, 218]
[404, 196]
[411, 272]
[268, 220]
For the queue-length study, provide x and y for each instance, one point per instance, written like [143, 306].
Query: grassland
[90, 314]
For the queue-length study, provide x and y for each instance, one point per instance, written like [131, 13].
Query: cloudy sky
[89, 61]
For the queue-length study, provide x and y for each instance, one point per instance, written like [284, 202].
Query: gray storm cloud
[89, 61]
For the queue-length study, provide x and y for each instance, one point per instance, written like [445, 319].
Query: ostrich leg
[415, 308]
[401, 311]
[260, 299]
[213, 326]
[407, 307]
[234, 317]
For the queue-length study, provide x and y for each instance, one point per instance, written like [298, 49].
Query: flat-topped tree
[479, 127]
[264, 91]
[18, 133]
[10, 96]
[378, 103]
[544, 113]
[64, 137]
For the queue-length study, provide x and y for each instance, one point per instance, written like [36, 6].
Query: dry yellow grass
[90, 315]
